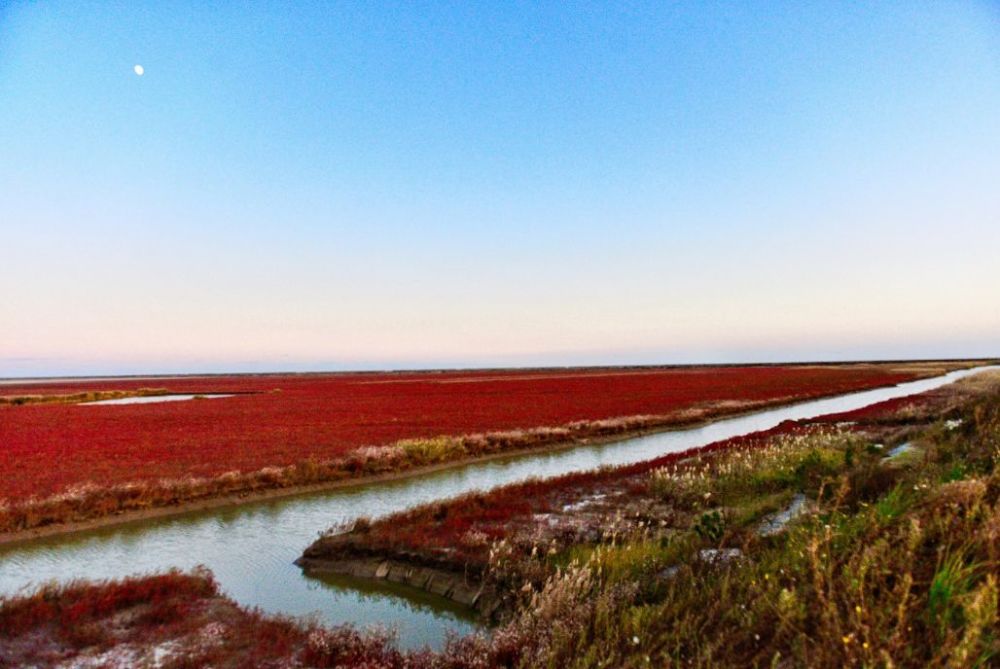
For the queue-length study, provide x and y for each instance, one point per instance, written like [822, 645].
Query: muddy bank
[464, 589]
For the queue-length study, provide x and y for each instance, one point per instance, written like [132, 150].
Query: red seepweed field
[278, 421]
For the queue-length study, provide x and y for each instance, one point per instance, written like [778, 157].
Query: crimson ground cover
[279, 420]
[439, 532]
[172, 619]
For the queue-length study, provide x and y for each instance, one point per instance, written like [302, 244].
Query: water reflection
[152, 399]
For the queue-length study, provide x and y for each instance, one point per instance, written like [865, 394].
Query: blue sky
[345, 185]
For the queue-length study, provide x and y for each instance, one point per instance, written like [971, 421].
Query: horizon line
[445, 369]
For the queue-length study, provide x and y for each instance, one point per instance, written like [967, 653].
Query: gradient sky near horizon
[297, 186]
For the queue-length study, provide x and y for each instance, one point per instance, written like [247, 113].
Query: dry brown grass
[78, 398]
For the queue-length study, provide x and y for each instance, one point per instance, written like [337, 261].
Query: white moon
[139, 70]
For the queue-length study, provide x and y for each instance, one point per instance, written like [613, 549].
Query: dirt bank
[458, 587]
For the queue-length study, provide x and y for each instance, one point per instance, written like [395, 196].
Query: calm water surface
[152, 399]
[251, 548]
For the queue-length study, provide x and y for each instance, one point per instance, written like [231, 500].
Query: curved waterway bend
[250, 548]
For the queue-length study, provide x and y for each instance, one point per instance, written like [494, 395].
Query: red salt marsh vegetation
[459, 534]
[66, 462]
[889, 563]
[811, 545]
[170, 620]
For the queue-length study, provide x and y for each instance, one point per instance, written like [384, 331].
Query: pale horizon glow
[324, 187]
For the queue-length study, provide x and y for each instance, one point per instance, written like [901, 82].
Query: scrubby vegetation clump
[893, 563]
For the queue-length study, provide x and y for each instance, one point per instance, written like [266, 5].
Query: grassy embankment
[891, 561]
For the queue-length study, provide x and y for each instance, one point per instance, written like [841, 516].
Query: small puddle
[776, 524]
[900, 450]
[150, 399]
